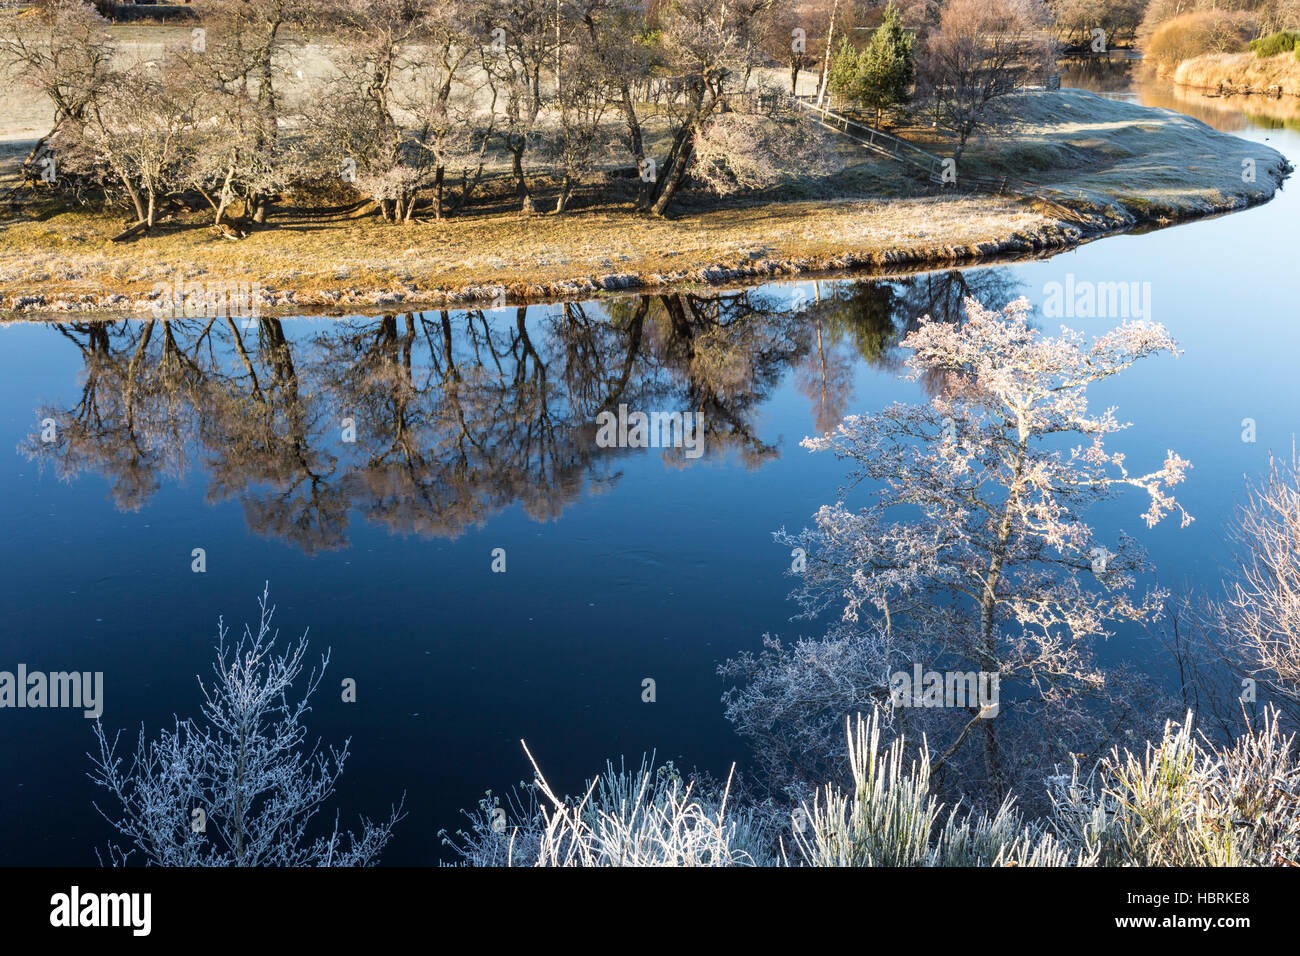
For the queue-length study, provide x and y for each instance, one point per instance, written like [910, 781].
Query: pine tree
[845, 76]
[887, 67]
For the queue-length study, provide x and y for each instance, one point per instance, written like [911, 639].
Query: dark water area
[476, 431]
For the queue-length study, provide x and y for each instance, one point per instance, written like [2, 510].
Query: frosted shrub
[1258, 621]
[647, 817]
[239, 787]
[1185, 804]
[791, 700]
[889, 818]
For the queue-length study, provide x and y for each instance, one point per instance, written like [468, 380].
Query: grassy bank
[1241, 73]
[1121, 164]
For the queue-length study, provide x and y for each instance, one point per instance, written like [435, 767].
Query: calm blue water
[474, 435]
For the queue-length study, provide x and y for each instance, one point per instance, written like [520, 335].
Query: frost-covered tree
[710, 49]
[240, 65]
[576, 144]
[747, 151]
[239, 787]
[360, 121]
[241, 157]
[138, 140]
[522, 49]
[975, 554]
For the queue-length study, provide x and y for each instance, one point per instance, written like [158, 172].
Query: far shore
[1241, 73]
[1120, 166]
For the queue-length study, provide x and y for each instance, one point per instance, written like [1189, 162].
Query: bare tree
[1075, 20]
[62, 51]
[138, 135]
[980, 51]
[522, 43]
[239, 59]
[826, 57]
[576, 145]
[708, 46]
[612, 32]
[448, 124]
[360, 121]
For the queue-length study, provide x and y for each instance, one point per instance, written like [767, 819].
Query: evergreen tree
[887, 66]
[846, 72]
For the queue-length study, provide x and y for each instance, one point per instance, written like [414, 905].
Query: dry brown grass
[1242, 73]
[69, 252]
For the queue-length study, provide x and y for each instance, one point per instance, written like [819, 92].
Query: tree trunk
[467, 187]
[566, 190]
[674, 176]
[129, 231]
[826, 63]
[679, 155]
[987, 650]
[521, 183]
[38, 148]
[636, 143]
[224, 199]
[135, 199]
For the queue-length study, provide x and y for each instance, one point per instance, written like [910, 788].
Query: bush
[648, 817]
[891, 819]
[1195, 34]
[1284, 41]
[1186, 803]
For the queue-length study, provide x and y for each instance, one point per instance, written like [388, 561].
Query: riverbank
[1241, 73]
[1121, 165]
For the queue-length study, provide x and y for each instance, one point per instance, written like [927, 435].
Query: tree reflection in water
[458, 415]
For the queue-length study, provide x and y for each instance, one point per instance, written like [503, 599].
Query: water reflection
[431, 422]
[1130, 79]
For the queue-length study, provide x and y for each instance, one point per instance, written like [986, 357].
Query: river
[369, 468]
